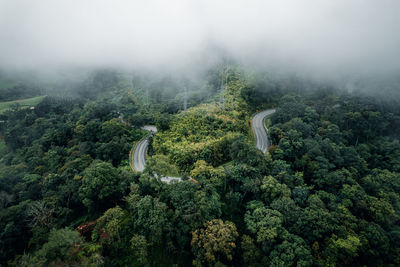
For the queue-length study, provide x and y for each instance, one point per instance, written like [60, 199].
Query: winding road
[257, 124]
[138, 152]
[138, 155]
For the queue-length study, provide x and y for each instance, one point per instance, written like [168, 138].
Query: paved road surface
[139, 155]
[257, 123]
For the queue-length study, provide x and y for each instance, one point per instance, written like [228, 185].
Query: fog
[319, 38]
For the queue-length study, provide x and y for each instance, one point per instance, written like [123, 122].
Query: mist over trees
[78, 81]
[339, 41]
[325, 193]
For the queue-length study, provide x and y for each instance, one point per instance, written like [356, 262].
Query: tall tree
[214, 244]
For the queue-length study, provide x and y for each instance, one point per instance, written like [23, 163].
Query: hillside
[326, 193]
[21, 103]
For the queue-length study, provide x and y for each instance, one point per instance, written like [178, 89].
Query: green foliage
[3, 147]
[264, 222]
[344, 248]
[251, 253]
[201, 133]
[293, 251]
[64, 247]
[207, 131]
[61, 247]
[150, 219]
[272, 189]
[325, 194]
[161, 165]
[139, 248]
[204, 171]
[101, 182]
[110, 222]
[214, 243]
[194, 205]
[22, 103]
[12, 90]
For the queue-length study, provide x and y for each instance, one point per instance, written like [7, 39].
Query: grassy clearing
[24, 103]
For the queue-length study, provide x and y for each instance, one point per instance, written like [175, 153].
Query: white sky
[321, 36]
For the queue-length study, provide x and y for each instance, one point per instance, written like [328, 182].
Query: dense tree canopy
[326, 193]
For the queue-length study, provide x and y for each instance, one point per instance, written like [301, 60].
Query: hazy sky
[316, 36]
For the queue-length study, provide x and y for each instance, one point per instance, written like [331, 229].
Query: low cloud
[312, 37]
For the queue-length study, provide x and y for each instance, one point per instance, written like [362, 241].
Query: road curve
[257, 124]
[138, 155]
[138, 152]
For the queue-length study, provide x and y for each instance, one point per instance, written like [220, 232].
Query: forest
[326, 193]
